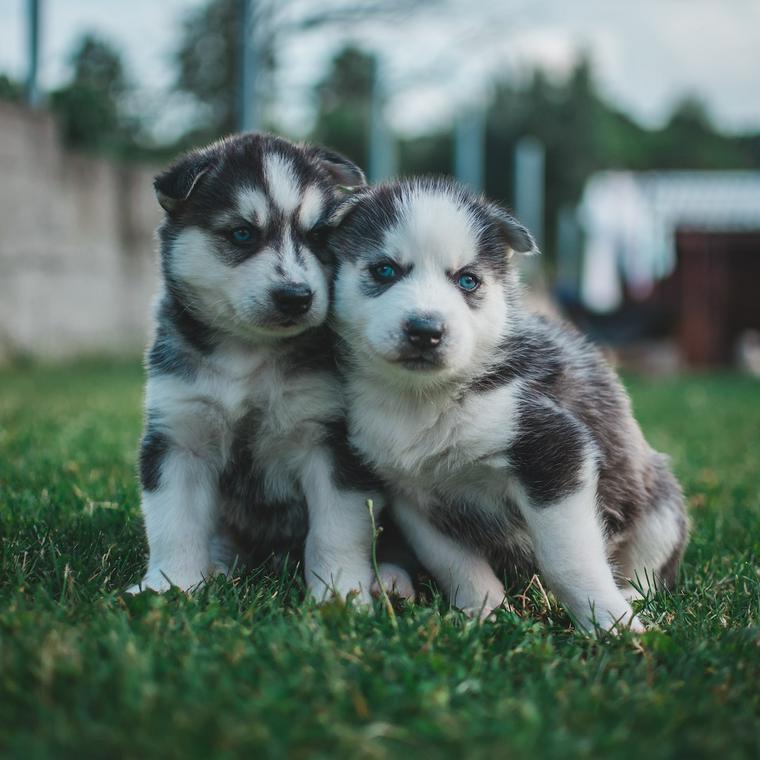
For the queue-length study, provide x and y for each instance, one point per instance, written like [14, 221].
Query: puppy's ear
[175, 185]
[515, 235]
[345, 207]
[342, 172]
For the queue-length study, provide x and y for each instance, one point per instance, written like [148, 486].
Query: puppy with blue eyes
[244, 446]
[507, 441]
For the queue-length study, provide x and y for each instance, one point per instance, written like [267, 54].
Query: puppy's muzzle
[293, 300]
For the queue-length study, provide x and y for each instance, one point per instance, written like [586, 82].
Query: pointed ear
[343, 172]
[345, 207]
[515, 235]
[174, 186]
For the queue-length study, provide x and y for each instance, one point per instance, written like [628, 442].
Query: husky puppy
[507, 439]
[244, 435]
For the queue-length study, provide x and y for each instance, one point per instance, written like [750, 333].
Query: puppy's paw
[615, 624]
[479, 602]
[395, 580]
[160, 582]
[481, 613]
[353, 591]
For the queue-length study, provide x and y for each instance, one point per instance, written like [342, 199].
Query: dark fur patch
[248, 507]
[350, 471]
[527, 355]
[467, 522]
[363, 228]
[167, 357]
[311, 351]
[199, 336]
[497, 536]
[548, 453]
[153, 449]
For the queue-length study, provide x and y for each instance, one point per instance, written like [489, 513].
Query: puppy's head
[425, 279]
[242, 245]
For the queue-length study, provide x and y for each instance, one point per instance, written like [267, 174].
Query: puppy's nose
[293, 299]
[424, 332]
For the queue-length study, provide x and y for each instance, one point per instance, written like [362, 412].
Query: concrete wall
[77, 250]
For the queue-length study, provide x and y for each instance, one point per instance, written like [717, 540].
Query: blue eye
[242, 234]
[468, 282]
[385, 272]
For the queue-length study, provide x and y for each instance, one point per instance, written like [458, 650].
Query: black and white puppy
[244, 413]
[507, 439]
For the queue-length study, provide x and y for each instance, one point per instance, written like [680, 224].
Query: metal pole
[382, 153]
[529, 185]
[568, 254]
[247, 92]
[32, 93]
[469, 148]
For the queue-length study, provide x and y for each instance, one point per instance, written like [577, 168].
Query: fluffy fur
[507, 440]
[244, 441]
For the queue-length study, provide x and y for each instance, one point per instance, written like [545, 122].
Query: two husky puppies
[504, 441]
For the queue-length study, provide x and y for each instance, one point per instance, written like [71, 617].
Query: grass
[248, 667]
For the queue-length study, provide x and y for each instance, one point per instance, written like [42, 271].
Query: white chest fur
[203, 411]
[433, 442]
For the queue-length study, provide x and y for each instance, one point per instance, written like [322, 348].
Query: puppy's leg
[338, 544]
[179, 508]
[570, 550]
[651, 554]
[468, 579]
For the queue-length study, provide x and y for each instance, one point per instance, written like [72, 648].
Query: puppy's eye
[468, 281]
[242, 234]
[384, 272]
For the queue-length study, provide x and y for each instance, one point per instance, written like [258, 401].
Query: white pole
[248, 116]
[32, 93]
[382, 149]
[469, 148]
[529, 185]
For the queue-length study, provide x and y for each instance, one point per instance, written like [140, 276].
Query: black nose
[424, 332]
[293, 299]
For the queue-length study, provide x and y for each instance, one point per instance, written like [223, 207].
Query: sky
[443, 57]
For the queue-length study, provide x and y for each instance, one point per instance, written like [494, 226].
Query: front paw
[159, 581]
[481, 613]
[395, 581]
[348, 587]
[614, 623]
[481, 601]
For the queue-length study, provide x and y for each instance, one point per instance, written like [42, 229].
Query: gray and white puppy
[244, 436]
[507, 439]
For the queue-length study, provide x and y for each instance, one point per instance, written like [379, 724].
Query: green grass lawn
[246, 666]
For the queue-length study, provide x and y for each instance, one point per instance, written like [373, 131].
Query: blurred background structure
[627, 136]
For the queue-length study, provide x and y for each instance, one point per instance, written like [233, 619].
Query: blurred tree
[689, 141]
[10, 89]
[427, 154]
[207, 61]
[567, 117]
[582, 134]
[209, 53]
[90, 108]
[344, 104]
